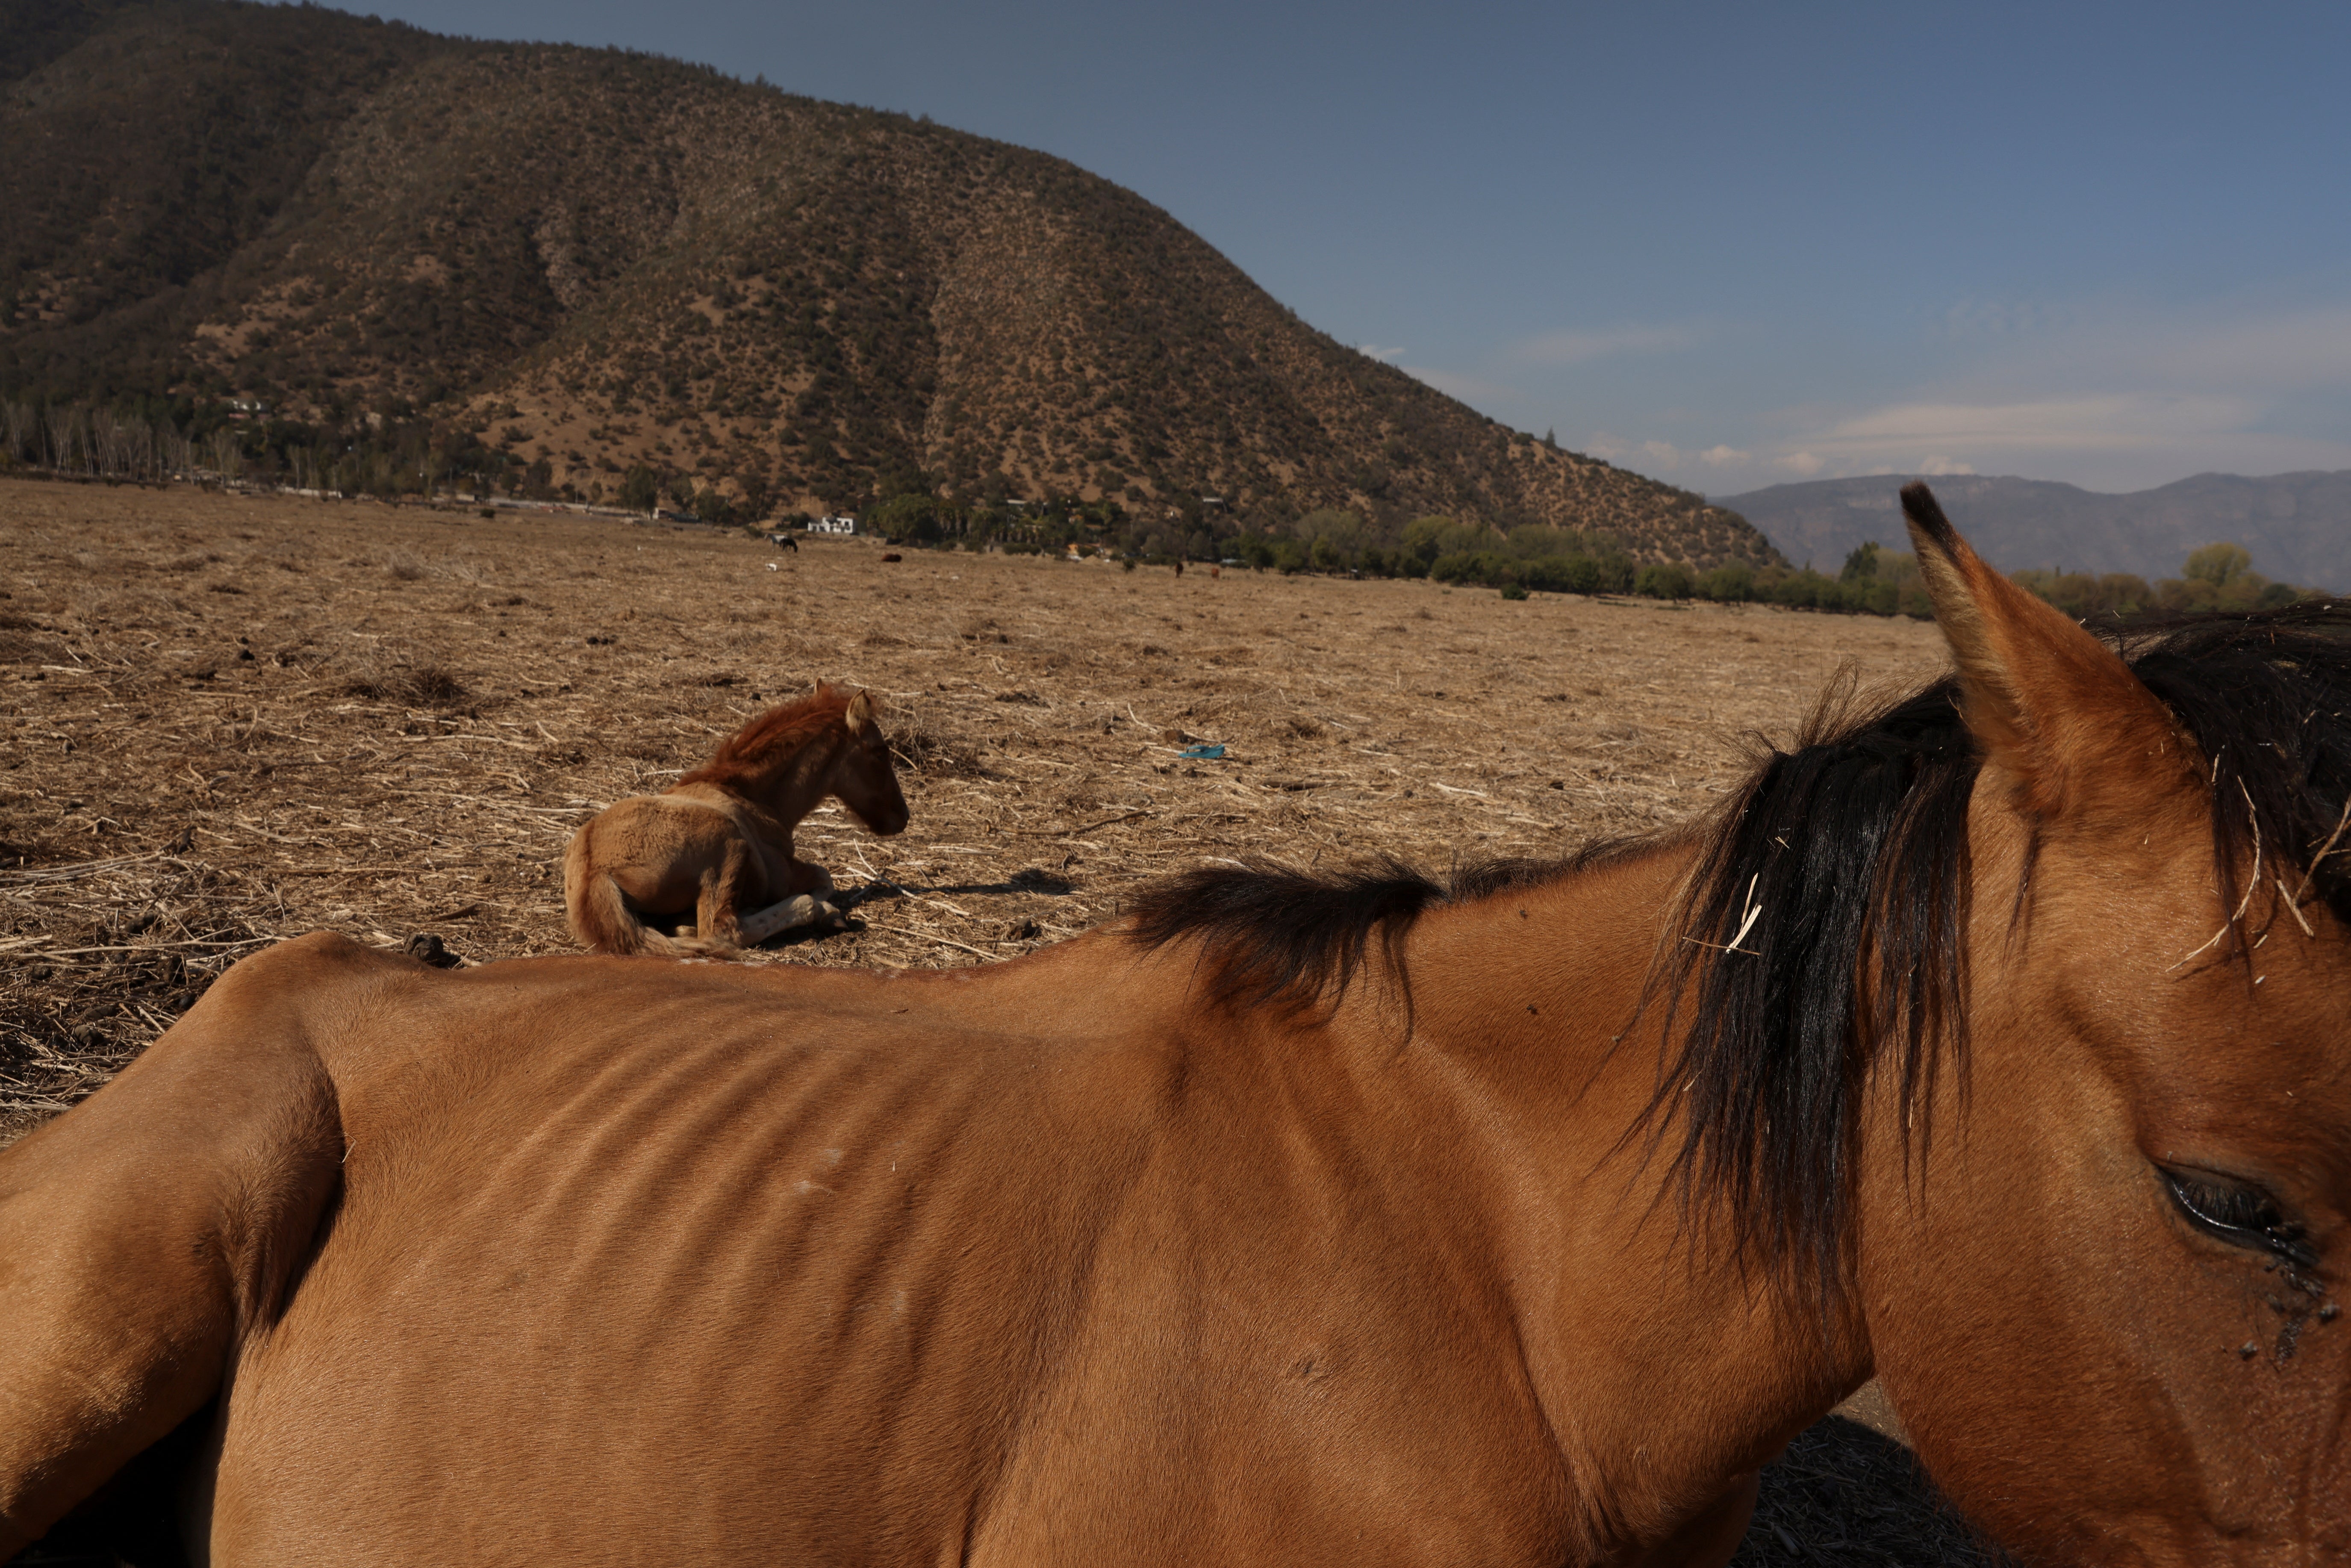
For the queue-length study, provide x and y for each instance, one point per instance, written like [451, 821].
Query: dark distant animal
[1994, 1042]
[785, 541]
[718, 842]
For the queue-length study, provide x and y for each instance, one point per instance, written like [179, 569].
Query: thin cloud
[1372, 351]
[1971, 319]
[2288, 352]
[2117, 421]
[1718, 455]
[2109, 441]
[1580, 348]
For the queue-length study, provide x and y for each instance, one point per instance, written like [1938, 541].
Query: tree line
[1543, 559]
[393, 454]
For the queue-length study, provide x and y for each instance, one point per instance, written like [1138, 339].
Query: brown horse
[1994, 1042]
[718, 841]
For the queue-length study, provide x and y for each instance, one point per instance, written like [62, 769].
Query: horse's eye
[2238, 1213]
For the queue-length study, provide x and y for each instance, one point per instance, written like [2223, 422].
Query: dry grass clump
[422, 686]
[101, 958]
[925, 749]
[346, 744]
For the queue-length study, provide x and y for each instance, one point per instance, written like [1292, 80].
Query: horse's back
[678, 1241]
[618, 1259]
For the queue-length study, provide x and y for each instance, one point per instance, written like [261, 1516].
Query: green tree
[755, 494]
[1861, 566]
[639, 488]
[1665, 579]
[1730, 583]
[2217, 564]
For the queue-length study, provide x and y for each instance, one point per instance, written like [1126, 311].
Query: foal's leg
[716, 927]
[808, 905]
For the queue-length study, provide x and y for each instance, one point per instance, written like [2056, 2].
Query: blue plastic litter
[1202, 753]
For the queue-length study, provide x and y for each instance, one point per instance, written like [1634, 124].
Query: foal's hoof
[802, 912]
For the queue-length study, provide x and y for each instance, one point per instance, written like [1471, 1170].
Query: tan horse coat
[1076, 1283]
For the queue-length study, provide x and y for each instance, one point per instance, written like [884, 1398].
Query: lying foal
[718, 842]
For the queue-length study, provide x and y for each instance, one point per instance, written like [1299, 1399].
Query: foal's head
[828, 743]
[863, 773]
[2107, 1305]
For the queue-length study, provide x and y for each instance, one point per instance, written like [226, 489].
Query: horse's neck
[789, 789]
[1523, 1024]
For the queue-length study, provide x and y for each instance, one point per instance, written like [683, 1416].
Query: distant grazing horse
[1996, 1043]
[718, 842]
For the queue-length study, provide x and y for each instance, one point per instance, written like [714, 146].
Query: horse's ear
[859, 714]
[2050, 704]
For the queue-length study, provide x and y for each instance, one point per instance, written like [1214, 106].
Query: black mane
[1852, 849]
[1289, 939]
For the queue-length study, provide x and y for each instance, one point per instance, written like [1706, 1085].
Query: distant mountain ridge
[597, 259]
[2296, 525]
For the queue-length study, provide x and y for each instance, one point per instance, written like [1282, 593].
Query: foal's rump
[649, 855]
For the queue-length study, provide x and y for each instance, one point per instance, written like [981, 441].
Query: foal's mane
[1850, 852]
[777, 732]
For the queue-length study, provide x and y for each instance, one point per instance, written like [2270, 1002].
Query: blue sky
[1726, 245]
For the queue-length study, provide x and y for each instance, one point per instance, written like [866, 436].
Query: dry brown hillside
[598, 259]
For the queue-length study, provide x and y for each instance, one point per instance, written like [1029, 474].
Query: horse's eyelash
[2238, 1210]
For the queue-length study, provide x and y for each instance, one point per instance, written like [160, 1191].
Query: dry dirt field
[230, 719]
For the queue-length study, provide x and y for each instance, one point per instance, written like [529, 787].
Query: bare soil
[232, 718]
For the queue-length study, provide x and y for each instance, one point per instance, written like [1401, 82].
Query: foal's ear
[2051, 705]
[859, 714]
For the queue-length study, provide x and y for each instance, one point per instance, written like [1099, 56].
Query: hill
[2297, 527]
[587, 262]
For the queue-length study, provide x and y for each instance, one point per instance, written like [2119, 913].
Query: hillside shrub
[639, 488]
[1665, 579]
[1732, 583]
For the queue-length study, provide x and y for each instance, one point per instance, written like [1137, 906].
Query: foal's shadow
[1029, 881]
[881, 890]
